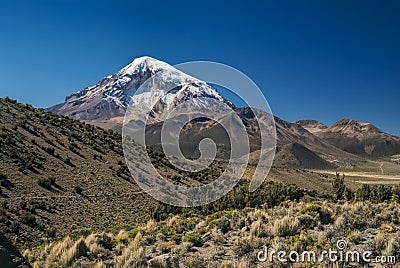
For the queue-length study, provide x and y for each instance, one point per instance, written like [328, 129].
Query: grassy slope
[84, 181]
[59, 175]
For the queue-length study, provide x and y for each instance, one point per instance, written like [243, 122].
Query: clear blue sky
[321, 60]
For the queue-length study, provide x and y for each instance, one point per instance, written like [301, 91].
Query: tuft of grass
[99, 264]
[79, 249]
[287, 226]
[151, 226]
[355, 236]
[256, 229]
[122, 236]
[56, 250]
[387, 228]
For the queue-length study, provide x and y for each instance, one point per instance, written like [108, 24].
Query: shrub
[224, 224]
[45, 182]
[171, 234]
[195, 239]
[15, 227]
[355, 236]
[325, 215]
[68, 161]
[338, 187]
[387, 228]
[314, 207]
[243, 246]
[165, 247]
[51, 233]
[50, 150]
[28, 219]
[132, 233]
[306, 242]
[195, 262]
[78, 189]
[81, 232]
[188, 224]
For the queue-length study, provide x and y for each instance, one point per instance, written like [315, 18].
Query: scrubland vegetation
[230, 238]
[230, 232]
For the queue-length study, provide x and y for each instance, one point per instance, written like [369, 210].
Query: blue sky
[322, 60]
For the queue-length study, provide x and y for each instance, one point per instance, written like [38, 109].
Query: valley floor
[364, 178]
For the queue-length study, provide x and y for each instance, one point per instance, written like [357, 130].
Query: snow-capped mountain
[152, 85]
[106, 102]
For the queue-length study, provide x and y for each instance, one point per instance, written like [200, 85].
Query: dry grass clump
[390, 214]
[257, 229]
[165, 247]
[151, 226]
[78, 250]
[243, 263]
[227, 264]
[122, 236]
[286, 226]
[158, 263]
[133, 255]
[99, 264]
[57, 250]
[261, 215]
[173, 221]
[387, 245]
[95, 248]
[28, 255]
[65, 252]
[340, 221]
[355, 236]
[380, 241]
[131, 258]
[245, 246]
[195, 261]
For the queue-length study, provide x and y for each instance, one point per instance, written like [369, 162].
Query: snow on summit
[110, 97]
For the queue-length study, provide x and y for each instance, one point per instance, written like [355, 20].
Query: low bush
[195, 239]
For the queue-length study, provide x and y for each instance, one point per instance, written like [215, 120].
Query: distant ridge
[356, 137]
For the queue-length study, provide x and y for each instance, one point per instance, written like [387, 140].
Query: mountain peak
[143, 63]
[350, 126]
[110, 97]
[312, 126]
[343, 121]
